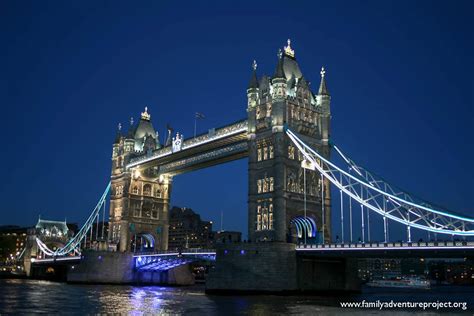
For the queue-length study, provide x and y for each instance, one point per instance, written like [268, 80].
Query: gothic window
[135, 190]
[158, 193]
[270, 152]
[269, 110]
[119, 190]
[265, 185]
[259, 154]
[154, 214]
[270, 216]
[259, 218]
[265, 215]
[265, 152]
[147, 189]
[291, 152]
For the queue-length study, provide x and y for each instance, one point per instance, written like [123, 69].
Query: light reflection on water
[30, 296]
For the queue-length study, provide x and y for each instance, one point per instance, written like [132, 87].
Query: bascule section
[139, 198]
[287, 203]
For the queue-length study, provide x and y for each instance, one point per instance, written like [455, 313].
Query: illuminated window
[265, 185]
[264, 215]
[147, 189]
[265, 152]
[291, 152]
[271, 151]
[259, 154]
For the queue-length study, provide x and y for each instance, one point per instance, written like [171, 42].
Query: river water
[31, 296]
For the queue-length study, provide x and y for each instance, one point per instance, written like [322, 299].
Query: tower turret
[252, 90]
[324, 101]
[279, 80]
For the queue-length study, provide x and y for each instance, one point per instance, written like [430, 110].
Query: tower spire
[279, 73]
[323, 90]
[253, 84]
[119, 133]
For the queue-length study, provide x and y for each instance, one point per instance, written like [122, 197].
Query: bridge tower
[139, 199]
[276, 179]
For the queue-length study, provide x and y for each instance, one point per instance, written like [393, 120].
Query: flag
[200, 115]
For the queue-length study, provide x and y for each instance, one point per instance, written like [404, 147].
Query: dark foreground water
[29, 296]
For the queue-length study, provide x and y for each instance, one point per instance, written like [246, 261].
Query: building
[12, 243]
[379, 268]
[187, 230]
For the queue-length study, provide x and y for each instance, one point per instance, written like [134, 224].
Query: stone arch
[143, 242]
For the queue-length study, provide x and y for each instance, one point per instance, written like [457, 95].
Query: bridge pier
[180, 275]
[118, 268]
[275, 267]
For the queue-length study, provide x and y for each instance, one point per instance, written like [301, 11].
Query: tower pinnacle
[323, 90]
[288, 51]
[253, 84]
[145, 115]
[279, 73]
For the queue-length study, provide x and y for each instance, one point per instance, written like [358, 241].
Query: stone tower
[139, 199]
[276, 179]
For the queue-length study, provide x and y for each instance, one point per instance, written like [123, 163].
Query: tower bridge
[286, 139]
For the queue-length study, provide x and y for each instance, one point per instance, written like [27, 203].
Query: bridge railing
[174, 252]
[225, 131]
[392, 245]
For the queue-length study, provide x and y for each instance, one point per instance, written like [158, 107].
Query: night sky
[400, 74]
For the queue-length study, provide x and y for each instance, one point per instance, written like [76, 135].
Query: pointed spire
[253, 84]
[279, 73]
[119, 133]
[323, 90]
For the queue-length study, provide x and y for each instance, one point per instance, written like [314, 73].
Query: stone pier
[118, 268]
[276, 267]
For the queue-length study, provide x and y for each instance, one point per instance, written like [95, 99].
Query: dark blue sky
[400, 74]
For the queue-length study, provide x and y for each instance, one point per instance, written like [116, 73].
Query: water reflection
[28, 296]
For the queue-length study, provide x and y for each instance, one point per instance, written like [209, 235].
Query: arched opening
[142, 242]
[300, 227]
